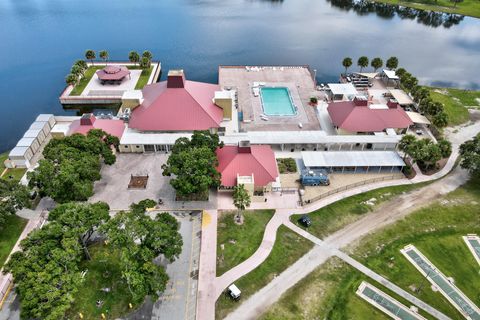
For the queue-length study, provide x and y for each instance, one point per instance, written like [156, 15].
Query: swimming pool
[276, 101]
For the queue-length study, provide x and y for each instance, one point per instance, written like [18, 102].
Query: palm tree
[82, 64]
[440, 120]
[376, 64]
[144, 63]
[104, 55]
[347, 63]
[445, 147]
[148, 55]
[241, 198]
[76, 71]
[392, 63]
[134, 57]
[90, 55]
[405, 144]
[71, 79]
[362, 62]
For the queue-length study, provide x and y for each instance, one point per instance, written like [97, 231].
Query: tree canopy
[424, 151]
[193, 164]
[140, 240]
[46, 272]
[470, 155]
[13, 197]
[134, 57]
[72, 164]
[103, 55]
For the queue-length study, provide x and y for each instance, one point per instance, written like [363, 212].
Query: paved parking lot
[179, 299]
[113, 187]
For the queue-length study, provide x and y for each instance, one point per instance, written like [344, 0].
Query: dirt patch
[138, 182]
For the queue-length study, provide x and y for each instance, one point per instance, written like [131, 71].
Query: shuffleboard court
[454, 295]
[473, 244]
[386, 303]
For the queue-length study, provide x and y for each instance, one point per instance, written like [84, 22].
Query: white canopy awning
[328, 159]
[401, 96]
[390, 74]
[417, 118]
[343, 89]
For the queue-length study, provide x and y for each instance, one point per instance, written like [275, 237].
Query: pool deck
[297, 79]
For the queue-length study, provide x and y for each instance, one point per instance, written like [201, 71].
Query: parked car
[314, 178]
[305, 221]
[419, 132]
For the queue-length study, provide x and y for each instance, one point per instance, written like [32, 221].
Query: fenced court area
[473, 244]
[454, 295]
[385, 303]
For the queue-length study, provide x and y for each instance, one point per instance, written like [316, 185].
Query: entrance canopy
[345, 89]
[329, 159]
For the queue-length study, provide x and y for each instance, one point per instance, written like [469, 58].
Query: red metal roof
[353, 118]
[112, 73]
[113, 127]
[260, 162]
[177, 109]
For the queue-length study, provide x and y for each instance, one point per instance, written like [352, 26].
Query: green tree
[392, 63]
[433, 107]
[134, 57]
[440, 120]
[103, 55]
[419, 93]
[362, 62]
[71, 165]
[90, 55]
[193, 163]
[426, 153]
[13, 197]
[376, 64]
[141, 239]
[347, 63]
[241, 198]
[400, 72]
[71, 79]
[82, 219]
[445, 147]
[46, 272]
[470, 155]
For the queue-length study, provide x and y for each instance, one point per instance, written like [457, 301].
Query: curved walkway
[269, 294]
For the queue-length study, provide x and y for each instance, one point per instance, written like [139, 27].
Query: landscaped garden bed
[287, 165]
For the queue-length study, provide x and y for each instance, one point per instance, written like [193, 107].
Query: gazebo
[113, 74]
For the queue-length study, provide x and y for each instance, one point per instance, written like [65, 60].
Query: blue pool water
[277, 102]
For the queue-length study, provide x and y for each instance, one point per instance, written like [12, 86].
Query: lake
[40, 39]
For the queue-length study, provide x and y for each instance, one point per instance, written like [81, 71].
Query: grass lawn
[288, 248]
[80, 86]
[329, 291]
[12, 229]
[466, 7]
[333, 217]
[455, 101]
[16, 173]
[247, 237]
[103, 272]
[142, 81]
[144, 76]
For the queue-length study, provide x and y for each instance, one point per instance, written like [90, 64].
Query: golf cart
[234, 292]
[305, 221]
